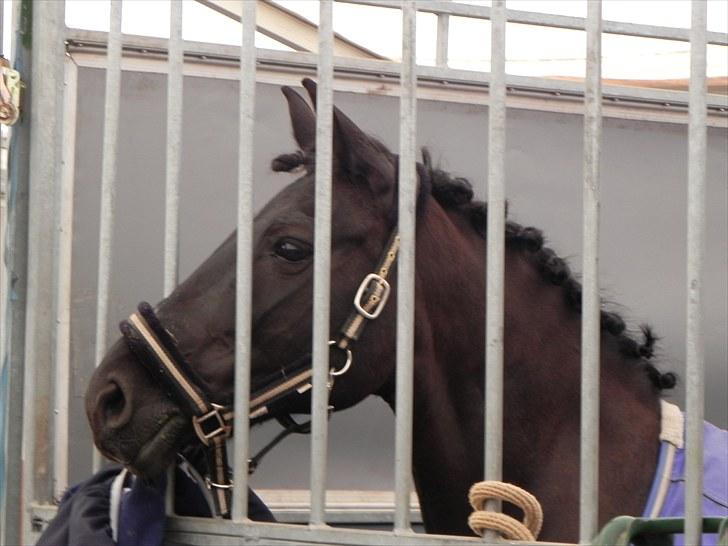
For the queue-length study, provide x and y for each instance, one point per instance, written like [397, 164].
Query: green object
[624, 530]
[723, 533]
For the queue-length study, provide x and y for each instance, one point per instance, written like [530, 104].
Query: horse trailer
[630, 176]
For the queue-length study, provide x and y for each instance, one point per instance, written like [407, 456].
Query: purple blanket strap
[715, 481]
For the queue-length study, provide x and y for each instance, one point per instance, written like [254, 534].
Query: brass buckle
[214, 413]
[378, 297]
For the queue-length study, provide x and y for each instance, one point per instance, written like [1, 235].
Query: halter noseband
[156, 349]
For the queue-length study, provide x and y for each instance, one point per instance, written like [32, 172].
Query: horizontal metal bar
[85, 40]
[294, 506]
[428, 89]
[568, 22]
[207, 531]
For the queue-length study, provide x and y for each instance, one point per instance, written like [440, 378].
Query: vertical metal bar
[62, 266]
[175, 83]
[4, 328]
[590, 323]
[495, 253]
[108, 187]
[11, 508]
[695, 349]
[4, 322]
[45, 160]
[443, 39]
[244, 266]
[322, 264]
[406, 270]
[174, 148]
[2, 29]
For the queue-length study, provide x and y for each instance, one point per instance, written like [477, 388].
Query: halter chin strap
[156, 349]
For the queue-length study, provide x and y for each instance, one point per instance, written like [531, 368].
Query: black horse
[135, 423]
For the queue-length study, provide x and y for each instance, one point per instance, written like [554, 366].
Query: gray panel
[643, 226]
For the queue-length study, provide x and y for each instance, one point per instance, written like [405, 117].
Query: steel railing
[49, 264]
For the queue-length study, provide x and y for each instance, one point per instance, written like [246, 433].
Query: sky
[535, 51]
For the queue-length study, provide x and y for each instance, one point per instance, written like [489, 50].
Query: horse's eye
[292, 250]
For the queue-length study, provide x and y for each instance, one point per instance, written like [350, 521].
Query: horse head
[136, 423]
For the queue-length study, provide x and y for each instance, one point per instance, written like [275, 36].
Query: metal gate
[36, 293]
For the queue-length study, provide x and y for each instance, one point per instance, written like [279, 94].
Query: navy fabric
[141, 514]
[83, 517]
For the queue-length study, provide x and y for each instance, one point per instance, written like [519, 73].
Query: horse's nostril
[112, 406]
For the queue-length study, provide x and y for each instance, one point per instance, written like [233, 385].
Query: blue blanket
[667, 496]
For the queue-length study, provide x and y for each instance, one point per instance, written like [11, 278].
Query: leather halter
[156, 349]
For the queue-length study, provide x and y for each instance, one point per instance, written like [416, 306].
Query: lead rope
[510, 528]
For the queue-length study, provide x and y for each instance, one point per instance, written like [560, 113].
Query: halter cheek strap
[371, 297]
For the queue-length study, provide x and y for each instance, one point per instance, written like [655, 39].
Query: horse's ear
[356, 154]
[303, 120]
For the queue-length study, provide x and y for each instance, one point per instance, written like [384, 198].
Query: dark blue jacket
[91, 515]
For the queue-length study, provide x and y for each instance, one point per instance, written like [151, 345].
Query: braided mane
[457, 193]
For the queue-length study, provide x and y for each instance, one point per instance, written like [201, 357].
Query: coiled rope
[510, 528]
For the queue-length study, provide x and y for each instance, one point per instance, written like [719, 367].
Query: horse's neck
[543, 374]
[542, 383]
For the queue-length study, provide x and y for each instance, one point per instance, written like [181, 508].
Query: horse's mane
[457, 193]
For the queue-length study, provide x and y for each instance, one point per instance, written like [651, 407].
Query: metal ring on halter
[212, 485]
[346, 365]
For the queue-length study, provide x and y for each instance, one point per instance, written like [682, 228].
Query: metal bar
[244, 263]
[108, 187]
[696, 237]
[406, 270]
[45, 160]
[4, 322]
[4, 330]
[85, 41]
[322, 264]
[443, 38]
[174, 149]
[590, 323]
[550, 20]
[205, 531]
[16, 258]
[62, 274]
[175, 82]
[2, 29]
[289, 28]
[495, 297]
